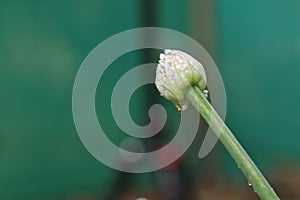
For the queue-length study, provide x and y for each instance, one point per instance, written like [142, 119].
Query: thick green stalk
[244, 162]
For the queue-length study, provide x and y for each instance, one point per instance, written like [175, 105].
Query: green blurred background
[256, 45]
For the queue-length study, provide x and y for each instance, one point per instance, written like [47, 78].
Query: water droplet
[184, 107]
[249, 184]
[205, 92]
[239, 166]
[167, 51]
[181, 107]
[161, 56]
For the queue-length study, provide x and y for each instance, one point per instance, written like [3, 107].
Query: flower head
[176, 72]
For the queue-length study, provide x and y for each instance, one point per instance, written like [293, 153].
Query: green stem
[244, 162]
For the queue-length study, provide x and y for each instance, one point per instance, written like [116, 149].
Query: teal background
[258, 54]
[256, 46]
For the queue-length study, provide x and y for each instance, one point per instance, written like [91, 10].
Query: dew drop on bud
[181, 107]
[205, 92]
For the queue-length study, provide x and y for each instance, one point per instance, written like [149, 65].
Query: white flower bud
[176, 72]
